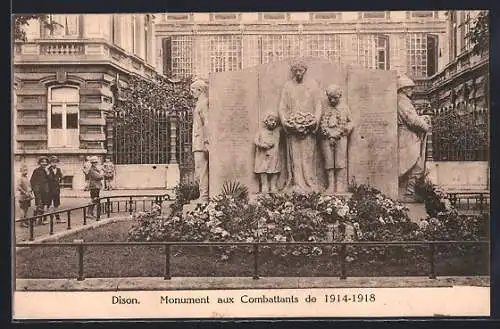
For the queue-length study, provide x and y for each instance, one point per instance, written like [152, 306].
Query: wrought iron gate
[142, 138]
[185, 154]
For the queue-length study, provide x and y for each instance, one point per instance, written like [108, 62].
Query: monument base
[191, 206]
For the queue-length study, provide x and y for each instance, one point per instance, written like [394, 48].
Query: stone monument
[199, 89]
[412, 137]
[239, 101]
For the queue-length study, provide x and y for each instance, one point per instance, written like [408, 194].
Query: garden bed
[136, 261]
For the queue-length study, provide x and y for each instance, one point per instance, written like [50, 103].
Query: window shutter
[167, 56]
[432, 54]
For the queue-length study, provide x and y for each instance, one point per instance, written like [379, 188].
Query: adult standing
[412, 135]
[199, 90]
[40, 185]
[95, 184]
[300, 96]
[85, 168]
[55, 180]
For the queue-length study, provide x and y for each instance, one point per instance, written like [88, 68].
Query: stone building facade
[462, 87]
[411, 42]
[65, 81]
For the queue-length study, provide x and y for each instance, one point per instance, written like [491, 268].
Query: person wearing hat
[95, 184]
[55, 180]
[40, 185]
[109, 173]
[412, 135]
[25, 193]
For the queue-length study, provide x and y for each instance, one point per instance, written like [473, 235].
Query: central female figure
[300, 111]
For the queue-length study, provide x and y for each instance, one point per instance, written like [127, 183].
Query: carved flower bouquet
[301, 123]
[332, 126]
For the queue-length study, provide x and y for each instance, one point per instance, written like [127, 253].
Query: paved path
[196, 283]
[78, 199]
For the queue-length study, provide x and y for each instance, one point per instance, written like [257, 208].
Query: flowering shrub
[367, 216]
[435, 199]
[184, 192]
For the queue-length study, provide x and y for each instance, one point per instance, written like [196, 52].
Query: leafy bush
[235, 189]
[367, 216]
[184, 192]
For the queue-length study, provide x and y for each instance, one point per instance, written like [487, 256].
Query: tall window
[65, 26]
[454, 34]
[134, 34]
[373, 51]
[275, 47]
[178, 55]
[146, 43]
[322, 45]
[63, 128]
[422, 51]
[465, 26]
[225, 53]
[115, 30]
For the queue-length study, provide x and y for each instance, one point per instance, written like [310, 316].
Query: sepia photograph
[251, 164]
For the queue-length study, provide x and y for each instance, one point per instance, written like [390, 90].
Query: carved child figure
[336, 126]
[267, 156]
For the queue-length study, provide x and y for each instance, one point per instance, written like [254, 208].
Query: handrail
[80, 247]
[166, 196]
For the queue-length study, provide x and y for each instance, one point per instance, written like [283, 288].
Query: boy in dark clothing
[95, 184]
[40, 186]
[55, 180]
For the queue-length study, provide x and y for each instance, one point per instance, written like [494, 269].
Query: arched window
[63, 117]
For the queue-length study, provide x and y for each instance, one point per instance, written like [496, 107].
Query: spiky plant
[235, 189]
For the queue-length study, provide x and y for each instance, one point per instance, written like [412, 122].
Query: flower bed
[367, 216]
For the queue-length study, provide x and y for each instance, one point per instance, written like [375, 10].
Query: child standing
[25, 193]
[109, 173]
[267, 155]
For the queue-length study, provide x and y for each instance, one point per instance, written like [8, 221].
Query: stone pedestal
[189, 207]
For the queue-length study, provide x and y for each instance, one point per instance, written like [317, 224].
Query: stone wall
[460, 175]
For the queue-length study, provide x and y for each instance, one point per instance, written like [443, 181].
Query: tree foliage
[479, 33]
[20, 21]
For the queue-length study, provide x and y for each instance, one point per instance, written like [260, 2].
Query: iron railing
[104, 208]
[81, 245]
[460, 136]
[470, 202]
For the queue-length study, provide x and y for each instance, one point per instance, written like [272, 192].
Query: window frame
[64, 123]
[50, 33]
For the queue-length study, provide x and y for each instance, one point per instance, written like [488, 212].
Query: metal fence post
[51, 225]
[256, 261]
[80, 250]
[343, 248]
[432, 274]
[166, 275]
[69, 219]
[98, 215]
[32, 228]
[108, 207]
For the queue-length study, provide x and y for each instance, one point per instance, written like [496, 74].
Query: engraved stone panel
[232, 123]
[373, 149]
